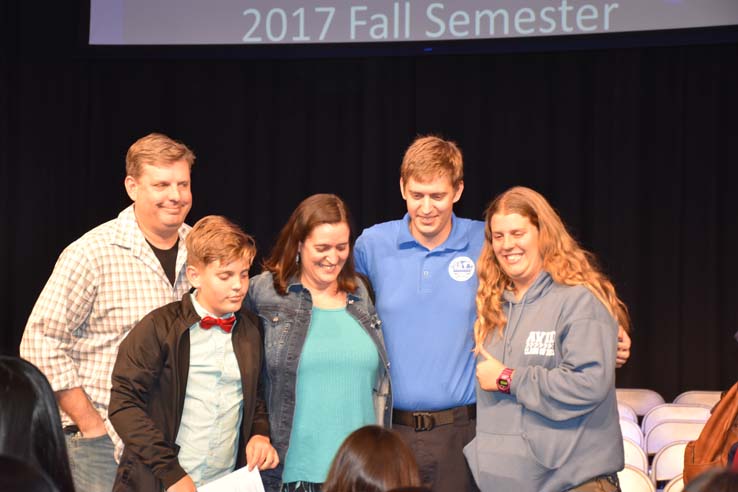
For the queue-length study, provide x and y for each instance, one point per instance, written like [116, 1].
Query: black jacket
[148, 393]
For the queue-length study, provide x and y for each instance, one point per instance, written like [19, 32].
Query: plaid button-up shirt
[101, 286]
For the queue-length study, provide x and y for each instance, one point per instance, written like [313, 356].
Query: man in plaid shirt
[102, 285]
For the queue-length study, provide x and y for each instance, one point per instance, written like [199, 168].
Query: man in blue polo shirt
[422, 268]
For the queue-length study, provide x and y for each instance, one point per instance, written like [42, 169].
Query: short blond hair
[156, 148]
[215, 238]
[430, 156]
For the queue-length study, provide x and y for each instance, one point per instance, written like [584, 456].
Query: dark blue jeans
[301, 487]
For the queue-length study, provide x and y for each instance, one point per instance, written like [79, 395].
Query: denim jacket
[285, 321]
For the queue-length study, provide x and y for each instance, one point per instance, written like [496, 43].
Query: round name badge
[461, 268]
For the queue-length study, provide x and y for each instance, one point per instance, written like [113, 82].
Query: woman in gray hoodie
[546, 338]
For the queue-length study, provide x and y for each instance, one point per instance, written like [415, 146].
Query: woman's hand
[488, 371]
[260, 453]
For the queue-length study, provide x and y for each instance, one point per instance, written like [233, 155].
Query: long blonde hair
[563, 259]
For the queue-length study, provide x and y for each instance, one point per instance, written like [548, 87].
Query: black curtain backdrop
[635, 147]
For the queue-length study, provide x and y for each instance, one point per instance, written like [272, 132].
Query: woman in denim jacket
[326, 372]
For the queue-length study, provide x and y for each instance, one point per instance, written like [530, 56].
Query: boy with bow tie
[184, 398]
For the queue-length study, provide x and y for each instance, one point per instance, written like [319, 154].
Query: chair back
[709, 398]
[626, 412]
[671, 431]
[674, 411]
[669, 462]
[632, 431]
[639, 399]
[635, 455]
[634, 480]
[676, 484]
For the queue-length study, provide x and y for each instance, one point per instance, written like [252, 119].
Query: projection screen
[275, 22]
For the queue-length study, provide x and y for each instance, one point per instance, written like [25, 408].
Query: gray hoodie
[558, 427]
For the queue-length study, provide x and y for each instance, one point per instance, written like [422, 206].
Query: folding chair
[669, 462]
[674, 411]
[709, 398]
[626, 412]
[671, 431]
[635, 455]
[639, 399]
[676, 484]
[632, 431]
[634, 480]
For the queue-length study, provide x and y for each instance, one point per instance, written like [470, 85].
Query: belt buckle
[613, 479]
[424, 421]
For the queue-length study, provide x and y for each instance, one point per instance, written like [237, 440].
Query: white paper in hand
[240, 480]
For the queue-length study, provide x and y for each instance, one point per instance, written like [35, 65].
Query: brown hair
[563, 259]
[430, 156]
[372, 459]
[155, 149]
[714, 480]
[313, 211]
[215, 238]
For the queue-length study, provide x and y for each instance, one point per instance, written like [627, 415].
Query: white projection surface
[273, 22]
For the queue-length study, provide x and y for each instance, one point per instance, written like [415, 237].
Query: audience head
[315, 246]
[30, 427]
[411, 489]
[714, 480]
[372, 459]
[18, 476]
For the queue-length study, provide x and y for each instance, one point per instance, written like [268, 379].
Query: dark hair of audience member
[372, 459]
[30, 427]
[17, 476]
[714, 480]
[411, 489]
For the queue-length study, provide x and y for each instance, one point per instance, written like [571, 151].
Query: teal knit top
[335, 379]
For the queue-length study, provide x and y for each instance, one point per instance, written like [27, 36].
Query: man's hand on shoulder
[623, 348]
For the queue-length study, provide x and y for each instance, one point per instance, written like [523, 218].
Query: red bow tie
[225, 323]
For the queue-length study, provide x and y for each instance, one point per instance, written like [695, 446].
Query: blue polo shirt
[426, 301]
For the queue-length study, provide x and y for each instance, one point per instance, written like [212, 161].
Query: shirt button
[425, 273]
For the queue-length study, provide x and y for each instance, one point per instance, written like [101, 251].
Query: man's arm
[360, 256]
[64, 305]
[74, 402]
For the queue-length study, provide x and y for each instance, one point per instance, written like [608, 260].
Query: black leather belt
[70, 430]
[425, 421]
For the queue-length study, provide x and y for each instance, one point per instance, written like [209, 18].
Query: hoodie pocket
[504, 462]
[550, 442]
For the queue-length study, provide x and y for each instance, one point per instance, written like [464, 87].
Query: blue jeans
[92, 461]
